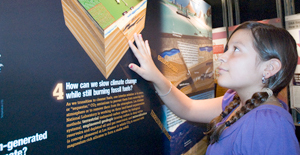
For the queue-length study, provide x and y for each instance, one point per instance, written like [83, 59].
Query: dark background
[249, 10]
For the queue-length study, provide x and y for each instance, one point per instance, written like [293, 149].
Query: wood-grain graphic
[103, 28]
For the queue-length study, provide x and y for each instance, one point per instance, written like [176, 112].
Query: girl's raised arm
[193, 110]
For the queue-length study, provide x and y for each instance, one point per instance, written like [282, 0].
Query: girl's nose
[222, 58]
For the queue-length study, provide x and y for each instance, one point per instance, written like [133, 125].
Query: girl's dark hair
[270, 42]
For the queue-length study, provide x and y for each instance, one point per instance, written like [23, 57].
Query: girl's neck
[246, 95]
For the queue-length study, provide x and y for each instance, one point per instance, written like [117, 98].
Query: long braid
[215, 131]
[212, 128]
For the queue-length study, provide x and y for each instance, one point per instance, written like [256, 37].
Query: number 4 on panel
[58, 91]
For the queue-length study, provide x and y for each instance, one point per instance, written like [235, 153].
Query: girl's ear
[273, 66]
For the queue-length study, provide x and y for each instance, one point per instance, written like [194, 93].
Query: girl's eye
[236, 49]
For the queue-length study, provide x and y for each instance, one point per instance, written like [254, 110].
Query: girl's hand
[142, 52]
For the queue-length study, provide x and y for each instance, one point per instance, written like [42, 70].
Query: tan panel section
[139, 24]
[86, 32]
[105, 53]
[116, 46]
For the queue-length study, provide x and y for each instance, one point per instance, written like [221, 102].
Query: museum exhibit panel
[65, 83]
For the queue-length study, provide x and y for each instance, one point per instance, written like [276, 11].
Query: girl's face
[241, 68]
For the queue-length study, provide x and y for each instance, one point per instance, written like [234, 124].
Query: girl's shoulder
[270, 113]
[268, 127]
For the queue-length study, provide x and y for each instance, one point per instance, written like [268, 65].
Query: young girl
[259, 61]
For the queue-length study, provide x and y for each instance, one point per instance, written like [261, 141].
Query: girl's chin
[223, 83]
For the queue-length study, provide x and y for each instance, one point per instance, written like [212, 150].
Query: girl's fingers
[135, 51]
[142, 52]
[138, 70]
[144, 45]
[134, 67]
[140, 43]
[148, 48]
[142, 48]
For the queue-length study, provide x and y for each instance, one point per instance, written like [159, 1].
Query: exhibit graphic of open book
[104, 27]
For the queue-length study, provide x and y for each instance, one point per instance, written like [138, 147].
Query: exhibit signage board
[185, 57]
[65, 83]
